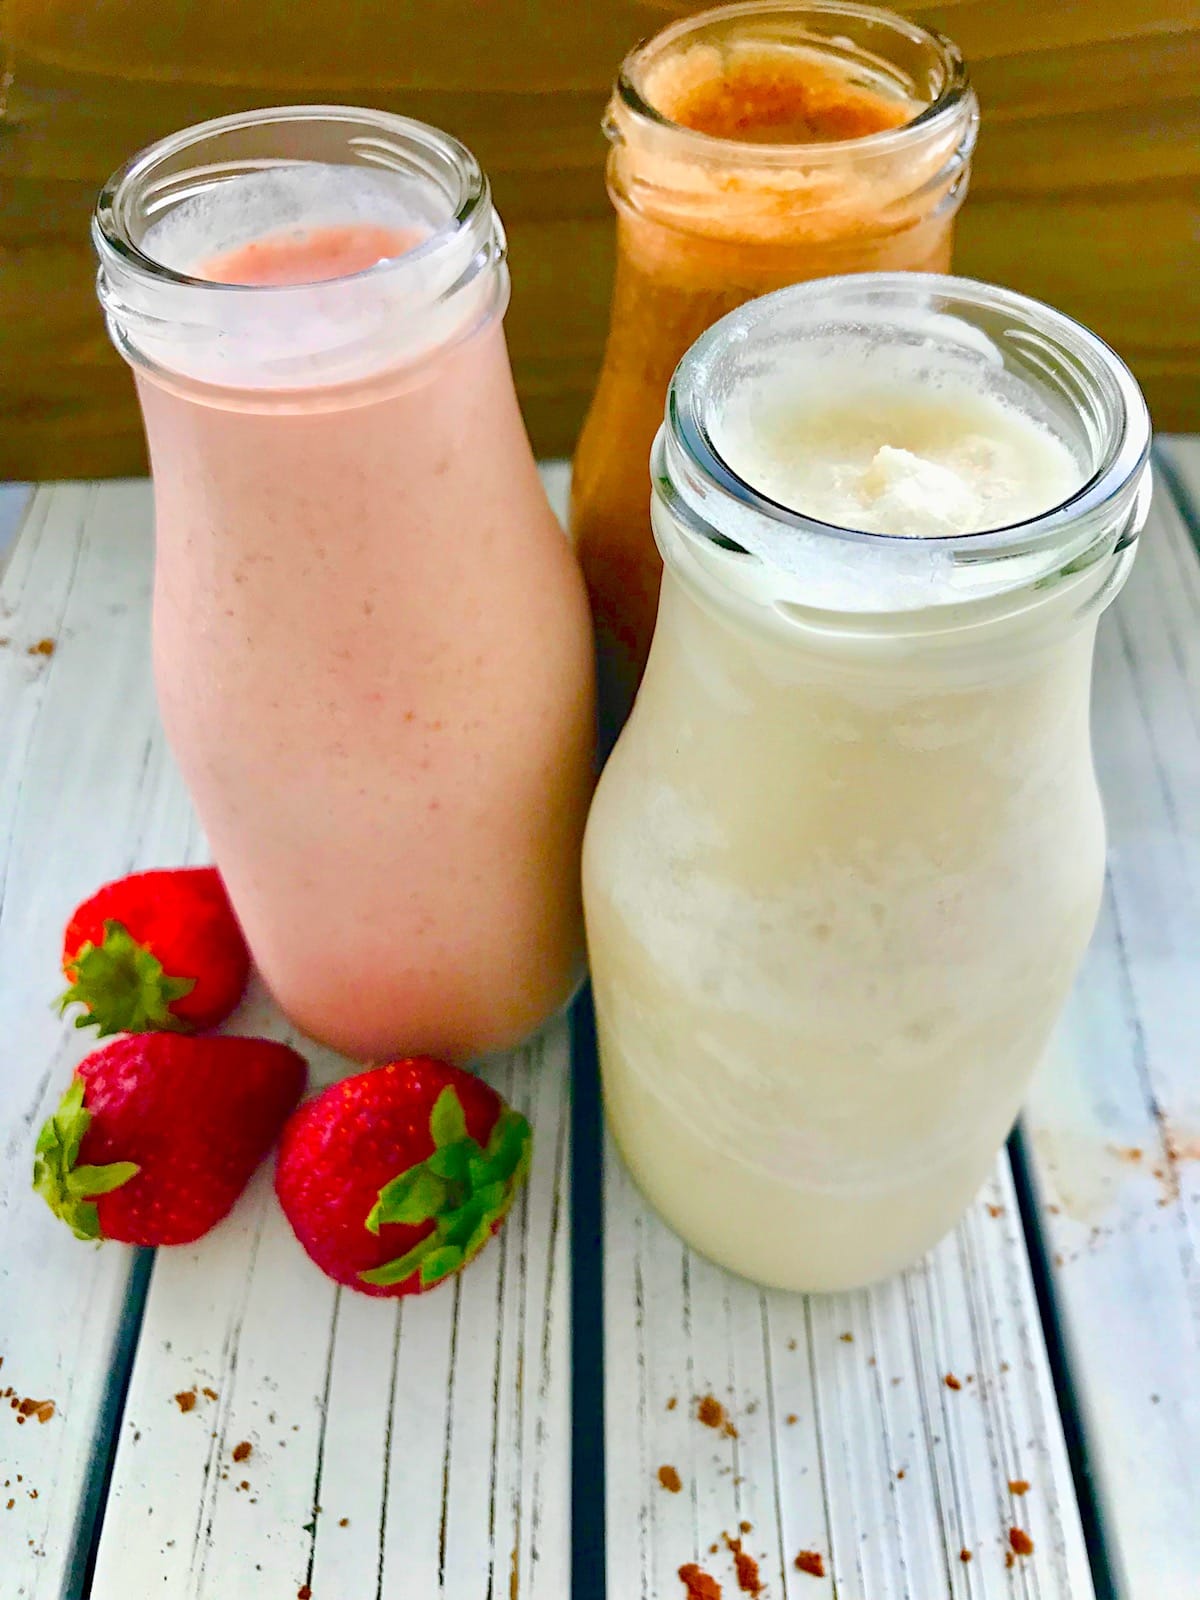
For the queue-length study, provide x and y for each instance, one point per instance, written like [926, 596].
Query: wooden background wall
[1086, 191]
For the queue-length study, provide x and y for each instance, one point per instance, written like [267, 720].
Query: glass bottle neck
[284, 175]
[804, 123]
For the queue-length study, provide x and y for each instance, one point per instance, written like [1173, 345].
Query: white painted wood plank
[416, 1448]
[1114, 1119]
[401, 1449]
[849, 1442]
[85, 794]
[14, 502]
[439, 1430]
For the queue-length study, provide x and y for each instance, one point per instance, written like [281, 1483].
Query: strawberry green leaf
[122, 986]
[483, 1232]
[413, 1197]
[448, 1124]
[88, 1182]
[465, 1191]
[403, 1267]
[70, 1190]
[440, 1263]
[452, 1161]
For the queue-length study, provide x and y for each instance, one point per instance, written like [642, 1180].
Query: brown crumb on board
[672, 1403]
[670, 1479]
[846, 1338]
[44, 647]
[812, 1562]
[791, 1419]
[964, 1555]
[186, 1400]
[1018, 1486]
[1021, 1543]
[43, 1410]
[746, 1567]
[210, 1394]
[243, 1451]
[698, 1584]
[951, 1381]
[711, 1413]
[303, 1592]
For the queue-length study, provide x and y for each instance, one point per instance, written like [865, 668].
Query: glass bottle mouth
[1077, 386]
[218, 186]
[917, 62]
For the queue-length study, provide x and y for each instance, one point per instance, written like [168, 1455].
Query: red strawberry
[395, 1179]
[155, 950]
[158, 1134]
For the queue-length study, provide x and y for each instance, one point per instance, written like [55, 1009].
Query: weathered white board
[433, 1436]
[87, 792]
[849, 1442]
[1114, 1122]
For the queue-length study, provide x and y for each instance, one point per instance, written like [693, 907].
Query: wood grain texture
[86, 793]
[1114, 1117]
[849, 1441]
[440, 1429]
[1087, 185]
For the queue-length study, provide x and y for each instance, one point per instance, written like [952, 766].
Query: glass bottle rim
[140, 180]
[1127, 444]
[955, 97]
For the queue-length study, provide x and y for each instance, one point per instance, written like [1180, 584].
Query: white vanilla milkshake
[846, 857]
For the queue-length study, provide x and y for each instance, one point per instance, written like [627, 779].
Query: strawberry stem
[69, 1190]
[465, 1190]
[122, 986]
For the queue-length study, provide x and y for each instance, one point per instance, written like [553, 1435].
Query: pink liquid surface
[309, 255]
[373, 657]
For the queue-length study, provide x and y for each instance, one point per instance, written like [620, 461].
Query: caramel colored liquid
[695, 239]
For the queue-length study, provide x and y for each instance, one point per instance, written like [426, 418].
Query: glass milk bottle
[752, 146]
[371, 639]
[844, 861]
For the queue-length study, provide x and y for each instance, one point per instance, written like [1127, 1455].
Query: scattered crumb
[900, 1473]
[245, 1484]
[1018, 1486]
[1010, 1560]
[896, 1382]
[698, 1584]
[343, 1522]
[243, 1451]
[871, 1361]
[209, 1394]
[10, 1505]
[33, 1494]
[951, 1381]
[44, 647]
[964, 1555]
[995, 1211]
[791, 1344]
[43, 1410]
[970, 1377]
[672, 1402]
[745, 1527]
[1021, 1543]
[186, 1400]
[846, 1338]
[746, 1567]
[670, 1479]
[812, 1562]
[713, 1549]
[711, 1413]
[791, 1419]
[1004, 1366]
[303, 1592]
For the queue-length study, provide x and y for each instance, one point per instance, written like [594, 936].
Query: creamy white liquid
[838, 880]
[893, 453]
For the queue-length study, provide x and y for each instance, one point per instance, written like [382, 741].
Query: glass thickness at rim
[135, 183]
[1127, 448]
[954, 95]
